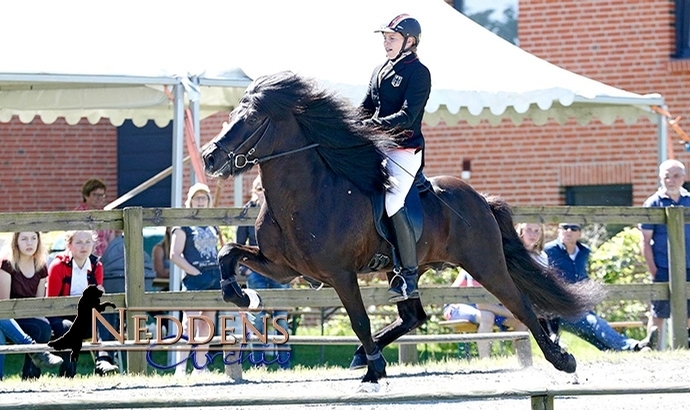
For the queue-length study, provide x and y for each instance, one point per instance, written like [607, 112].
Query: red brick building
[625, 43]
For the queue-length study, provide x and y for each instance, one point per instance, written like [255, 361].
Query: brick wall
[624, 43]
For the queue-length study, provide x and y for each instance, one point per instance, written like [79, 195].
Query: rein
[242, 160]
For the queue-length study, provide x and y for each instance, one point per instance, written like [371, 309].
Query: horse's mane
[348, 148]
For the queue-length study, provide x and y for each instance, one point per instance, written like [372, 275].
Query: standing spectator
[567, 254]
[161, 257]
[195, 250]
[655, 237]
[23, 275]
[68, 275]
[93, 194]
[255, 280]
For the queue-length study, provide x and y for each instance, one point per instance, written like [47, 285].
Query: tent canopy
[71, 60]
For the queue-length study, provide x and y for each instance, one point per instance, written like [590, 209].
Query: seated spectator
[23, 274]
[161, 257]
[10, 330]
[255, 280]
[571, 257]
[485, 315]
[113, 261]
[532, 236]
[68, 275]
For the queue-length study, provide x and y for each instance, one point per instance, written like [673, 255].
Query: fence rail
[132, 221]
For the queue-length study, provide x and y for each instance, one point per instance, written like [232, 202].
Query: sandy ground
[423, 385]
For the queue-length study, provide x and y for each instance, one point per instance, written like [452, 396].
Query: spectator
[567, 254]
[195, 250]
[23, 275]
[10, 330]
[655, 237]
[93, 194]
[113, 261]
[532, 236]
[255, 280]
[68, 275]
[485, 315]
[161, 257]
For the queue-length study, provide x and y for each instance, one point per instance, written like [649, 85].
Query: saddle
[413, 204]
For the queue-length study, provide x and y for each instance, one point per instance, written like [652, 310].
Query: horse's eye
[251, 119]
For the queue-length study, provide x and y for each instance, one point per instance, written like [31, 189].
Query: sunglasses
[573, 228]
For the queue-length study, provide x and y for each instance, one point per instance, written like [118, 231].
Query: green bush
[619, 260]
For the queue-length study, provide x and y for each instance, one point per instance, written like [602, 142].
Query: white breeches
[402, 165]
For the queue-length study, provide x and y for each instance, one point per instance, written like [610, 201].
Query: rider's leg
[403, 165]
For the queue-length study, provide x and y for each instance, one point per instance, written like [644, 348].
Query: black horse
[320, 167]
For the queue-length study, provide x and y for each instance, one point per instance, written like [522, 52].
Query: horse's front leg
[348, 290]
[233, 254]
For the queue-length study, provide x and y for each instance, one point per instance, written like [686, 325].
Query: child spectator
[68, 275]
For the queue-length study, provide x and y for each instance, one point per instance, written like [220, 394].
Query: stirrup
[399, 294]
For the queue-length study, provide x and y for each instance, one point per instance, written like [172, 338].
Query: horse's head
[233, 150]
[245, 140]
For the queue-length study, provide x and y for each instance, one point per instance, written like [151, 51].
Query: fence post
[407, 354]
[675, 221]
[134, 280]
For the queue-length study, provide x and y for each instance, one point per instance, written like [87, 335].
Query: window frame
[682, 25]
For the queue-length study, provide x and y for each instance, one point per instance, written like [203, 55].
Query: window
[682, 29]
[596, 195]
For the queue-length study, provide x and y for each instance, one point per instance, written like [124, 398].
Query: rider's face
[392, 43]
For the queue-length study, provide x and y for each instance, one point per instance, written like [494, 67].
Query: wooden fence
[133, 220]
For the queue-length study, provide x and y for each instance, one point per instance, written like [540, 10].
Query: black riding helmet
[405, 25]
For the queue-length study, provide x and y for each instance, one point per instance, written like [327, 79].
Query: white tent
[116, 59]
[69, 59]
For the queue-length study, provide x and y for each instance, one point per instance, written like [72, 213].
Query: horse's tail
[545, 287]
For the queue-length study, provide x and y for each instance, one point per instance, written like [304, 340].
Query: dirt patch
[429, 385]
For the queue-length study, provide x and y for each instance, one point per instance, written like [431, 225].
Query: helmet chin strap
[403, 49]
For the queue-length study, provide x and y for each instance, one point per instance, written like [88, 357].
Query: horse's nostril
[209, 161]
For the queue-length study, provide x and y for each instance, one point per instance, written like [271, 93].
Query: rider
[398, 92]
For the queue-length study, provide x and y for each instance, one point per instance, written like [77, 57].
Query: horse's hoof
[365, 387]
[568, 364]
[359, 361]
[235, 295]
[255, 301]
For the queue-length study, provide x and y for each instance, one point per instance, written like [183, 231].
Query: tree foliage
[506, 28]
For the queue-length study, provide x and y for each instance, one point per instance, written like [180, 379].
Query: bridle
[242, 160]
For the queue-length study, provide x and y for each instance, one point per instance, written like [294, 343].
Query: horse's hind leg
[490, 270]
[411, 315]
[348, 290]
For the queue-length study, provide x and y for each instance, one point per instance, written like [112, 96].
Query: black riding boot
[403, 285]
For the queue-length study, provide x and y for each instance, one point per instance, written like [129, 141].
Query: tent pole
[178, 167]
[196, 118]
[662, 136]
